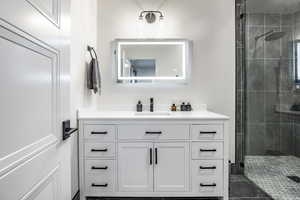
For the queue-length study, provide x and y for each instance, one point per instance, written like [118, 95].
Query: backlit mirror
[152, 61]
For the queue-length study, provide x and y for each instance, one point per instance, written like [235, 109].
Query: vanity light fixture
[150, 16]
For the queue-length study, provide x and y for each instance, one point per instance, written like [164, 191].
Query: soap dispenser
[173, 107]
[139, 107]
[188, 107]
[182, 107]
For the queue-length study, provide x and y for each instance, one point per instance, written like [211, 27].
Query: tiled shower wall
[269, 84]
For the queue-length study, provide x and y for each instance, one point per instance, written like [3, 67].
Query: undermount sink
[152, 113]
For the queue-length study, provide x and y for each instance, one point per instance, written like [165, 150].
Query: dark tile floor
[241, 188]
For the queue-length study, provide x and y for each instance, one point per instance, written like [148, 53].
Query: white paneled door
[34, 99]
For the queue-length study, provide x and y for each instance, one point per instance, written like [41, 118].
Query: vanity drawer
[105, 168]
[207, 132]
[99, 150]
[208, 186]
[207, 150]
[207, 168]
[101, 132]
[153, 131]
[98, 184]
[207, 177]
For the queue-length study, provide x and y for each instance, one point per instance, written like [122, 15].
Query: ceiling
[273, 6]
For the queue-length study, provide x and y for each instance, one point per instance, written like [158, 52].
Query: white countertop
[113, 115]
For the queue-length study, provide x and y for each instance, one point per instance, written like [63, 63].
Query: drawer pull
[156, 156]
[208, 150]
[208, 185]
[208, 132]
[104, 168]
[99, 133]
[213, 167]
[99, 185]
[150, 156]
[153, 132]
[99, 150]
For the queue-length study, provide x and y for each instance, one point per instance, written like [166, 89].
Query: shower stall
[268, 95]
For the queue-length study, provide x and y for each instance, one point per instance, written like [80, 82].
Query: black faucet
[151, 104]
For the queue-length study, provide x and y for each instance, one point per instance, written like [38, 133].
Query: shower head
[275, 36]
[271, 35]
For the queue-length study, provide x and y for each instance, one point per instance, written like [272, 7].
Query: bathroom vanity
[127, 154]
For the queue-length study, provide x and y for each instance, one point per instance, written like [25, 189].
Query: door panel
[27, 87]
[171, 171]
[25, 178]
[135, 171]
[48, 8]
[47, 193]
[34, 54]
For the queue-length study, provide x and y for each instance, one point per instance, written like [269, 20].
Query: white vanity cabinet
[135, 172]
[149, 167]
[171, 156]
[171, 167]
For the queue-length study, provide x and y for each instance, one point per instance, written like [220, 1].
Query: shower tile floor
[270, 174]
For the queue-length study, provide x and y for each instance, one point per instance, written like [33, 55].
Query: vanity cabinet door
[135, 167]
[171, 167]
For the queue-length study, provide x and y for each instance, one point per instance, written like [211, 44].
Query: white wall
[209, 24]
[84, 32]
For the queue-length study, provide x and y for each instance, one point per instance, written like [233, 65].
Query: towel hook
[90, 50]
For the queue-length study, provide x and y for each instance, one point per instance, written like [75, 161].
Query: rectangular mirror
[152, 61]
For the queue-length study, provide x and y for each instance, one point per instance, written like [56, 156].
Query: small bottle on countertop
[188, 107]
[182, 107]
[173, 107]
[139, 107]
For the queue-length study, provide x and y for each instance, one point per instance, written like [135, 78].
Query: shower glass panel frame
[267, 95]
